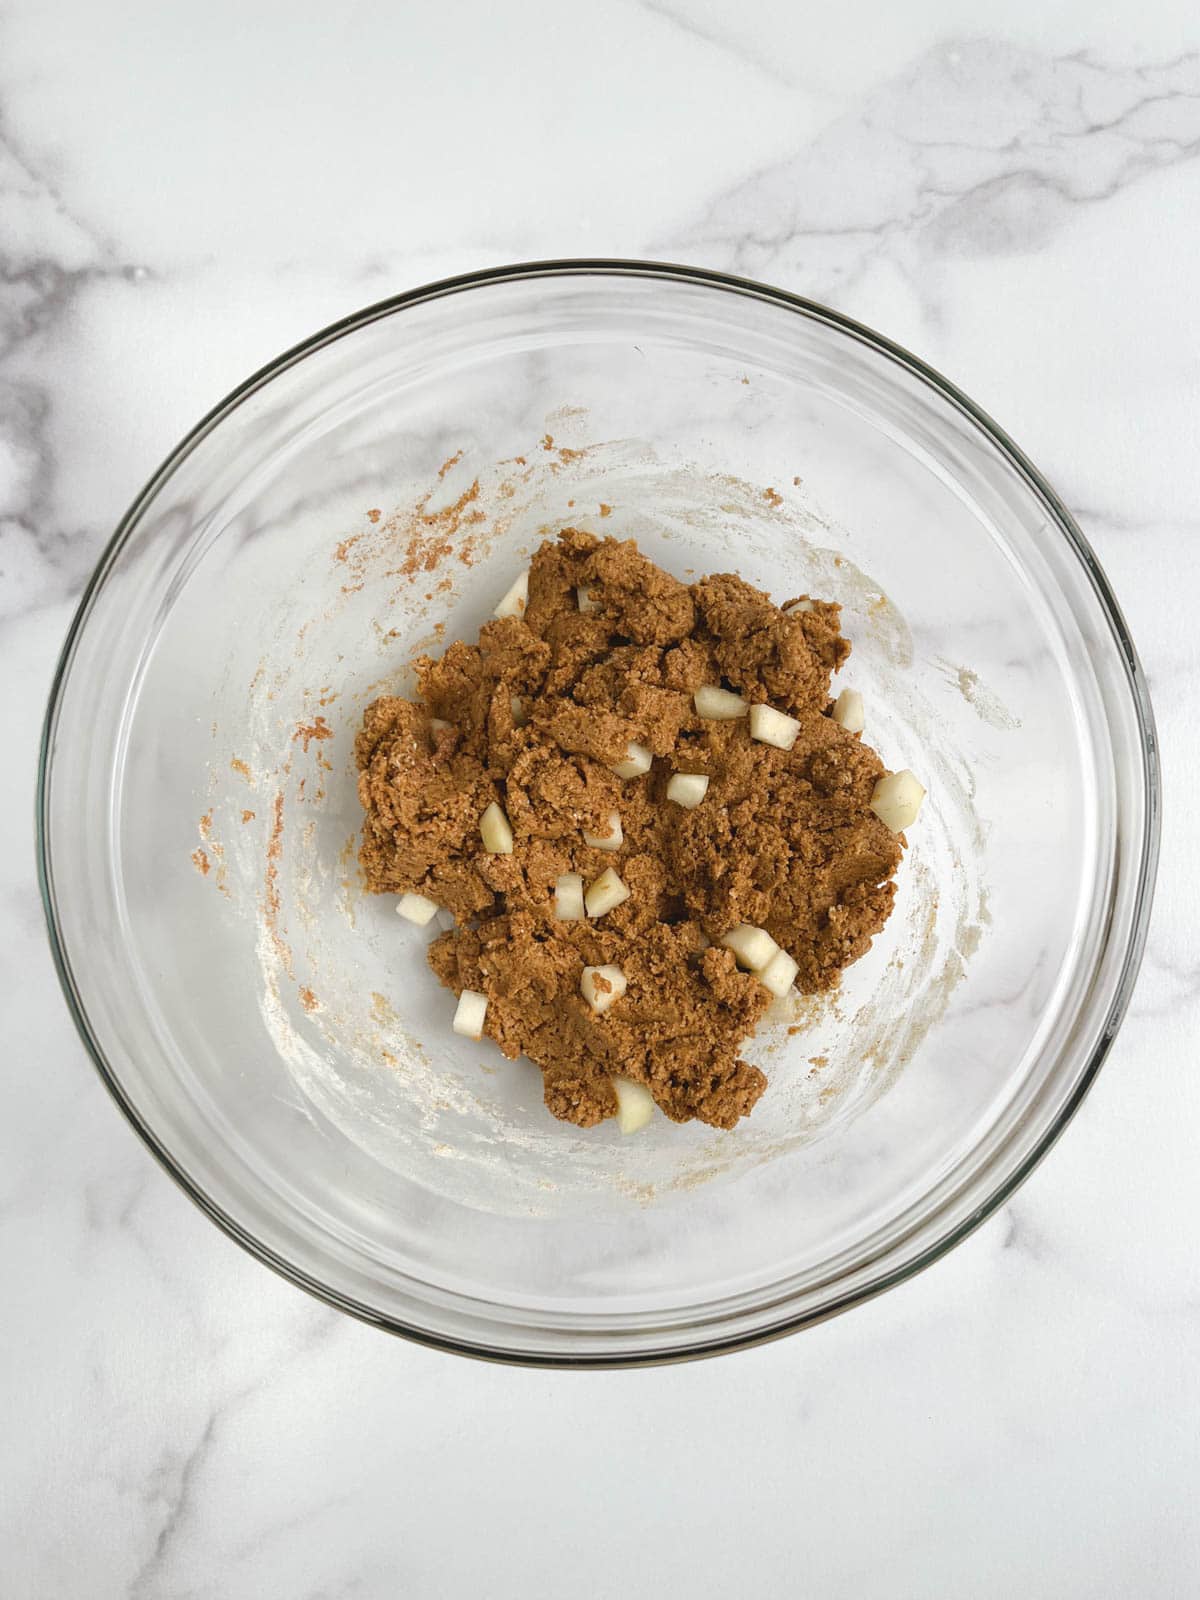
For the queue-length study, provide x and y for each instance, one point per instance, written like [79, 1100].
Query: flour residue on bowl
[344, 988]
[987, 705]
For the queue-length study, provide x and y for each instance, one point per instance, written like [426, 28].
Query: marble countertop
[184, 191]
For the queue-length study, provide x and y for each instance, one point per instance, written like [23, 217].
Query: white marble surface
[185, 190]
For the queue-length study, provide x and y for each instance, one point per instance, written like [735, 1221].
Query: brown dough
[782, 839]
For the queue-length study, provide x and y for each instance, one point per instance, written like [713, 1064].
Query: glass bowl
[274, 1034]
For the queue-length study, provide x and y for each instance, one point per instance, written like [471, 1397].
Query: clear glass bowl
[275, 1035]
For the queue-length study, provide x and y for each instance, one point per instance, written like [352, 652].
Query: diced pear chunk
[635, 1105]
[637, 761]
[718, 705]
[516, 598]
[438, 725]
[612, 840]
[495, 832]
[519, 716]
[752, 947]
[602, 987]
[584, 600]
[568, 898]
[896, 800]
[797, 608]
[779, 973]
[468, 1018]
[848, 710]
[687, 789]
[605, 894]
[416, 908]
[769, 726]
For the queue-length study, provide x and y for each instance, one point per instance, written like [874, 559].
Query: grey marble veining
[1017, 198]
[980, 148]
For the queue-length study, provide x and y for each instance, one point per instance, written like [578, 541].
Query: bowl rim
[1060, 518]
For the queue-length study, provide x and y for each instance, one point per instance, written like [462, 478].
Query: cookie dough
[574, 725]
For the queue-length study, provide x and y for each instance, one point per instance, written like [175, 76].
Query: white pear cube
[753, 948]
[687, 789]
[896, 800]
[568, 898]
[798, 608]
[438, 725]
[518, 711]
[607, 892]
[769, 726]
[495, 832]
[849, 711]
[468, 1018]
[612, 840]
[584, 600]
[516, 598]
[638, 760]
[635, 1105]
[779, 973]
[602, 987]
[416, 908]
[718, 705]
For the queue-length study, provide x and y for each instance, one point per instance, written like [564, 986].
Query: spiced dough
[784, 840]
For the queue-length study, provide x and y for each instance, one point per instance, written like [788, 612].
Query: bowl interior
[278, 1033]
